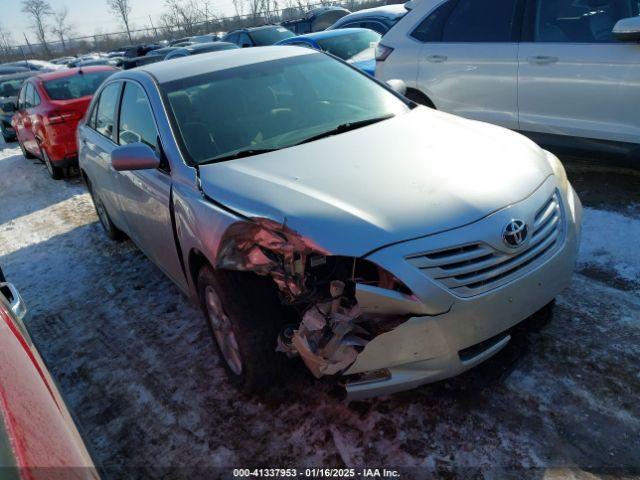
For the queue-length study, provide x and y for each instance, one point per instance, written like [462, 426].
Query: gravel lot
[135, 361]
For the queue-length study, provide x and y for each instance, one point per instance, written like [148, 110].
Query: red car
[38, 438]
[48, 110]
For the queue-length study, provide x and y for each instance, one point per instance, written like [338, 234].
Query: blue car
[355, 45]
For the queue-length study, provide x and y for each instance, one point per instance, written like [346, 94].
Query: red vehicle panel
[37, 434]
[49, 108]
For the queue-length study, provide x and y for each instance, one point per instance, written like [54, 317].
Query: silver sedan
[314, 212]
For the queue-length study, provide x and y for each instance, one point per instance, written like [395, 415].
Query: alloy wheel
[221, 326]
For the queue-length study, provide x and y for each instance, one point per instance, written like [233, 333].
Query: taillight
[61, 117]
[382, 52]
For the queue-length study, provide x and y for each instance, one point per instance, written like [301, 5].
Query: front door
[468, 64]
[575, 79]
[146, 194]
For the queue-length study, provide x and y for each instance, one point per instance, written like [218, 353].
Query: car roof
[327, 34]
[70, 72]
[19, 75]
[194, 65]
[387, 11]
[209, 46]
[253, 29]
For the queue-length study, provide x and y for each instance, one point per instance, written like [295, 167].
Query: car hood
[410, 176]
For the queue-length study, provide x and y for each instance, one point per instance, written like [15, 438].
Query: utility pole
[154, 28]
[28, 44]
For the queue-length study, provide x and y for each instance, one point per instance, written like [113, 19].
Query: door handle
[543, 60]
[437, 58]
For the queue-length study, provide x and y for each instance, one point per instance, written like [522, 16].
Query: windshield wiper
[241, 154]
[346, 127]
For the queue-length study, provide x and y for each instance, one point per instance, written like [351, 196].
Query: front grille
[476, 268]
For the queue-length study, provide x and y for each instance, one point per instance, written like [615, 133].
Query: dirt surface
[136, 363]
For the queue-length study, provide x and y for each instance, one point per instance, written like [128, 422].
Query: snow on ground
[611, 241]
[136, 364]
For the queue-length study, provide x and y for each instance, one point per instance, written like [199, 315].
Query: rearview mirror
[397, 86]
[135, 156]
[627, 29]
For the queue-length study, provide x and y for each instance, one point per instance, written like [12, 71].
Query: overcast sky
[89, 16]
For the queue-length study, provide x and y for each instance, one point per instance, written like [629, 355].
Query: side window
[106, 112]
[29, 100]
[245, 40]
[233, 38]
[36, 97]
[136, 118]
[430, 29]
[22, 97]
[565, 21]
[91, 119]
[379, 27]
[481, 21]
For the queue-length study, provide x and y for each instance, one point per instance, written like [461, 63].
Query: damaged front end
[336, 299]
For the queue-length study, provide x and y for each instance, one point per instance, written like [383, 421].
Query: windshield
[10, 88]
[272, 105]
[269, 36]
[347, 46]
[77, 86]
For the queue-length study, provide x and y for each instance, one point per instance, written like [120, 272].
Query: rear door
[575, 78]
[27, 117]
[96, 142]
[18, 117]
[146, 194]
[469, 62]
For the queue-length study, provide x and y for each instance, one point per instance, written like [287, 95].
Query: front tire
[55, 172]
[244, 314]
[113, 232]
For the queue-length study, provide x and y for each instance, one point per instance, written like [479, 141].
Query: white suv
[565, 72]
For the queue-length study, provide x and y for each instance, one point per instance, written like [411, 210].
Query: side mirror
[16, 304]
[135, 156]
[397, 86]
[627, 29]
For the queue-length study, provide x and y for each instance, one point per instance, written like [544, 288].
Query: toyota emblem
[515, 233]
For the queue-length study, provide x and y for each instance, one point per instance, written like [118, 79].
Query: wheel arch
[420, 97]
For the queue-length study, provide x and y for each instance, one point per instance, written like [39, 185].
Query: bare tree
[38, 11]
[61, 26]
[6, 43]
[121, 9]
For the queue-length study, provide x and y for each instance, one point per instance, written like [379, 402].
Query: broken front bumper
[460, 332]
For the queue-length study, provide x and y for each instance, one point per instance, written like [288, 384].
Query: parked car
[111, 62]
[310, 209]
[62, 60]
[564, 73]
[378, 19]
[257, 36]
[10, 70]
[316, 20]
[37, 432]
[48, 111]
[344, 43]
[9, 89]
[199, 48]
[39, 65]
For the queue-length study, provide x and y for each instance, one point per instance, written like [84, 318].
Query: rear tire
[55, 172]
[113, 232]
[248, 317]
